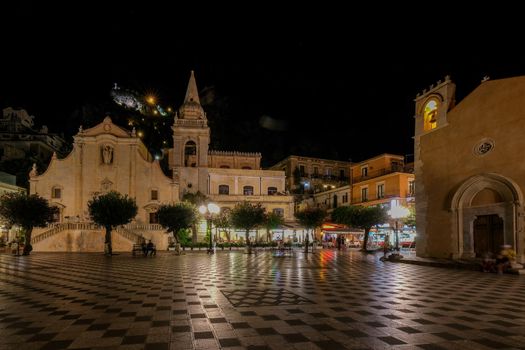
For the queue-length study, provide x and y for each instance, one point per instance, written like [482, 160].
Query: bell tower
[191, 138]
[432, 107]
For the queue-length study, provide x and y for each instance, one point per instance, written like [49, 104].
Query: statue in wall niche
[107, 154]
[33, 171]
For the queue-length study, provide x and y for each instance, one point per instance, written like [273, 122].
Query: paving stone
[332, 300]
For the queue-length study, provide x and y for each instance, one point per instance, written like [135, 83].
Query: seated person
[487, 264]
[150, 248]
[503, 259]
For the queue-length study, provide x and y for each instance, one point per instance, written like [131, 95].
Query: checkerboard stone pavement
[331, 300]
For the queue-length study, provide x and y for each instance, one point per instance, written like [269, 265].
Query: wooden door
[488, 234]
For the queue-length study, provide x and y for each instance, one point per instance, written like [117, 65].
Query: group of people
[502, 262]
[148, 248]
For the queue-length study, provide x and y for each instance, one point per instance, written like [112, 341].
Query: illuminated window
[247, 190]
[364, 171]
[272, 190]
[430, 115]
[224, 189]
[56, 192]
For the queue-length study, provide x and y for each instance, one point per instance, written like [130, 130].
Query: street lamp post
[208, 211]
[397, 212]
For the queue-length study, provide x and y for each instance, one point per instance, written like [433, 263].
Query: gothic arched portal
[487, 211]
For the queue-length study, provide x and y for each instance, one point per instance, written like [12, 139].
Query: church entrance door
[488, 234]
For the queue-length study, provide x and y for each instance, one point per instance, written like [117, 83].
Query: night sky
[341, 84]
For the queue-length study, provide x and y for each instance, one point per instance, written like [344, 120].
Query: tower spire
[192, 94]
[191, 108]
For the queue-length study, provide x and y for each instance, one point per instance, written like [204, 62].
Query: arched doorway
[486, 212]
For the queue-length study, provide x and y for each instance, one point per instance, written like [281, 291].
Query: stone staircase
[57, 228]
[132, 232]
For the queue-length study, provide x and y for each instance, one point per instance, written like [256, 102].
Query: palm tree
[16, 208]
[111, 210]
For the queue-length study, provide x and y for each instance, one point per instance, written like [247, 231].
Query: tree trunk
[268, 236]
[306, 241]
[365, 240]
[109, 250]
[194, 234]
[248, 242]
[27, 243]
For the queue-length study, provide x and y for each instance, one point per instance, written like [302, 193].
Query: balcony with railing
[382, 172]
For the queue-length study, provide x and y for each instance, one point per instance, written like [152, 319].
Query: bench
[138, 248]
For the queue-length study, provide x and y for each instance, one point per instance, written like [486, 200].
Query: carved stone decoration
[107, 154]
[483, 147]
[33, 171]
[106, 185]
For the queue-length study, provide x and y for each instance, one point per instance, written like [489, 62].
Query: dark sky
[343, 79]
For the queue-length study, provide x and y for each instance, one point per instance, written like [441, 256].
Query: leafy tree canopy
[311, 217]
[359, 216]
[197, 198]
[247, 216]
[272, 220]
[112, 209]
[222, 220]
[177, 217]
[17, 208]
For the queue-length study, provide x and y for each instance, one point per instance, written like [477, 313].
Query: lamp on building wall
[397, 212]
[208, 211]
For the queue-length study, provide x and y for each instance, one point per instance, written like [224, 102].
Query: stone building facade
[104, 158]
[108, 157]
[19, 139]
[226, 177]
[470, 176]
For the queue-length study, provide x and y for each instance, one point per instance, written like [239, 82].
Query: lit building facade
[311, 175]
[108, 157]
[469, 170]
[18, 138]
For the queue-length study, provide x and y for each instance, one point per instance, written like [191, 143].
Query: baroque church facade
[108, 157]
[469, 171]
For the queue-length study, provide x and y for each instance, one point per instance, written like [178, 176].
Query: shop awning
[329, 227]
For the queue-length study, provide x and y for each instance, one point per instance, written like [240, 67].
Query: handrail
[57, 228]
[128, 229]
